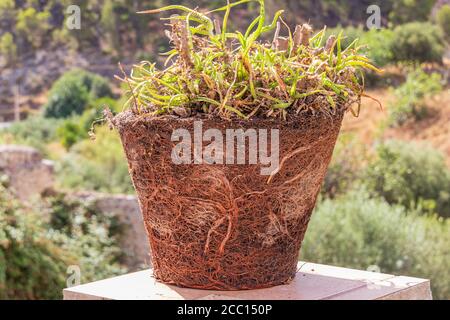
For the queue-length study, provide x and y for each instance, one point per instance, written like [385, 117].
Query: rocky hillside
[36, 47]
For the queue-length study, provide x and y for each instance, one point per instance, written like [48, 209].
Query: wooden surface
[313, 282]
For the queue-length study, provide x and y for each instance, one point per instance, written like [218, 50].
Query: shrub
[33, 26]
[97, 86]
[379, 43]
[443, 19]
[351, 34]
[99, 166]
[92, 238]
[67, 97]
[31, 265]
[71, 93]
[418, 42]
[8, 48]
[346, 165]
[35, 131]
[412, 175]
[410, 97]
[6, 5]
[71, 132]
[95, 108]
[77, 128]
[36, 248]
[404, 11]
[109, 22]
[356, 231]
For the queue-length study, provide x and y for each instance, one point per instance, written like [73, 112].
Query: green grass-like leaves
[230, 74]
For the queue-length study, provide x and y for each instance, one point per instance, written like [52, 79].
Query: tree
[443, 19]
[8, 48]
[404, 11]
[418, 42]
[109, 23]
[33, 26]
[7, 15]
[70, 94]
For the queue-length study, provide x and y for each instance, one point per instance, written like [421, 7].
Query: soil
[227, 227]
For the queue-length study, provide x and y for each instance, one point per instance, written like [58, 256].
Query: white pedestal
[313, 282]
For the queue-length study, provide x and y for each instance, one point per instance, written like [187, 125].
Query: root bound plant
[226, 226]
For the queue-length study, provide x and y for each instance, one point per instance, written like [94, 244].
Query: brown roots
[227, 227]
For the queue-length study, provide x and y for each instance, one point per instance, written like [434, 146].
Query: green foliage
[6, 5]
[31, 266]
[379, 45]
[351, 34]
[346, 167]
[7, 14]
[412, 175]
[71, 93]
[411, 96]
[97, 86]
[35, 252]
[71, 132]
[8, 47]
[208, 75]
[376, 44]
[68, 96]
[357, 231]
[33, 26]
[109, 22]
[77, 128]
[99, 165]
[35, 131]
[404, 11]
[92, 238]
[443, 19]
[419, 42]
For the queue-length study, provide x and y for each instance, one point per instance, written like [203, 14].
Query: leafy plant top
[232, 74]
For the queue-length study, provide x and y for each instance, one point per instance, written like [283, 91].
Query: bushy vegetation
[99, 165]
[32, 26]
[358, 231]
[404, 11]
[37, 132]
[347, 165]
[443, 19]
[71, 132]
[412, 175]
[91, 237]
[376, 44]
[71, 93]
[8, 48]
[418, 42]
[36, 248]
[414, 42]
[411, 96]
[350, 34]
[379, 45]
[31, 265]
